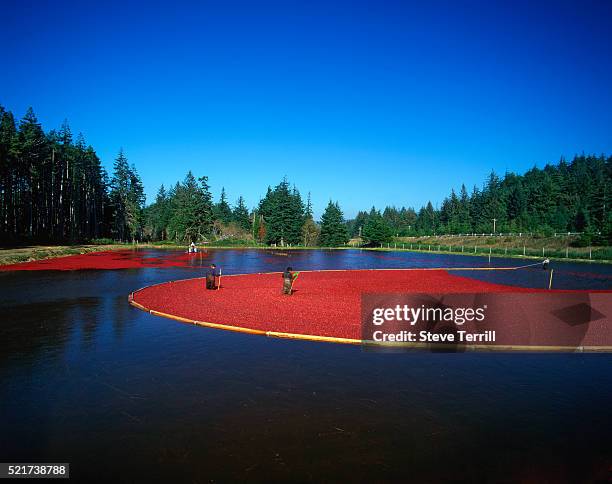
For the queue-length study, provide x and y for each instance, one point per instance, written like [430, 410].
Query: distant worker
[289, 278]
[193, 248]
[545, 264]
[211, 274]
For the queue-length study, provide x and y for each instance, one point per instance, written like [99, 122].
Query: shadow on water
[122, 395]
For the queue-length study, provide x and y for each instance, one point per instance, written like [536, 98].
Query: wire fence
[505, 234]
[589, 253]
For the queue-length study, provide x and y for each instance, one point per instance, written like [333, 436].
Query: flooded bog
[122, 395]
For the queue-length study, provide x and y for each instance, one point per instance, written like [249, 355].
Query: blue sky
[369, 103]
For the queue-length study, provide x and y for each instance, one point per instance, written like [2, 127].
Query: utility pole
[494, 220]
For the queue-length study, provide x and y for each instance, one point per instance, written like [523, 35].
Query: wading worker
[211, 274]
[288, 278]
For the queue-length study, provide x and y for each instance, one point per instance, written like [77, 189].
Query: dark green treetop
[334, 232]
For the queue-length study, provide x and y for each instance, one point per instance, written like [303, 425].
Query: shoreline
[17, 255]
[31, 253]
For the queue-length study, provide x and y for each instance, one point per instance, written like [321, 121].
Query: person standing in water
[288, 277]
[211, 274]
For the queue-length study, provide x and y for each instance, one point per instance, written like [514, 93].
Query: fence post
[523, 251]
[474, 249]
[462, 248]
[542, 251]
[590, 252]
[550, 279]
[566, 252]
[429, 248]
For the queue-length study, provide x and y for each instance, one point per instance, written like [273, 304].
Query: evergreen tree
[494, 205]
[449, 214]
[157, 215]
[308, 210]
[282, 212]
[204, 209]
[119, 195]
[51, 187]
[581, 220]
[297, 217]
[393, 219]
[240, 214]
[222, 211]
[427, 220]
[135, 204]
[463, 212]
[8, 175]
[377, 230]
[517, 203]
[192, 210]
[357, 224]
[476, 209]
[407, 221]
[31, 157]
[334, 232]
[310, 230]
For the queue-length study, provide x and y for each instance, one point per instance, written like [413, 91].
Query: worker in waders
[288, 278]
[211, 274]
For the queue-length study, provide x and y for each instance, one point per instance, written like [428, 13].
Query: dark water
[125, 396]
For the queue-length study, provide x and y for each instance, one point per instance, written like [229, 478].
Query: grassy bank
[511, 246]
[28, 253]
[15, 255]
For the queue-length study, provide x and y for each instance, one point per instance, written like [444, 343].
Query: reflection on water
[86, 379]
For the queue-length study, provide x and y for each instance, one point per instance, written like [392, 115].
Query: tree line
[564, 197]
[54, 188]
[187, 213]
